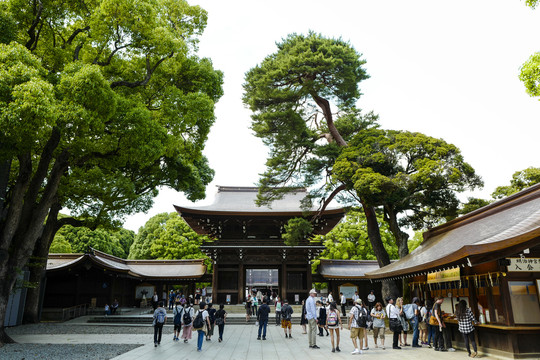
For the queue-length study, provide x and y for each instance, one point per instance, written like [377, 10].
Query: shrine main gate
[247, 238]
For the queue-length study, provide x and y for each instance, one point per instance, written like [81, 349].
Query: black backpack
[361, 319]
[198, 323]
[178, 317]
[187, 316]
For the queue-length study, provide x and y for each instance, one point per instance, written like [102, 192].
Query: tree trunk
[389, 288]
[5, 290]
[401, 237]
[38, 266]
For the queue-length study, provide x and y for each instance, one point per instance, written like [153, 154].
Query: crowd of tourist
[323, 317]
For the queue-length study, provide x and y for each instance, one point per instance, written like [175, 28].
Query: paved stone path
[239, 342]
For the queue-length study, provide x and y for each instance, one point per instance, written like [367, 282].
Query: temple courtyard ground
[77, 340]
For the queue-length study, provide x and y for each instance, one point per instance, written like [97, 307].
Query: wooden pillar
[284, 282]
[309, 281]
[241, 276]
[215, 284]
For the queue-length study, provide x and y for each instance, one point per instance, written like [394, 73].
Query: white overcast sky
[448, 69]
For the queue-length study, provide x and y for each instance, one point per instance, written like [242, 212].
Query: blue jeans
[431, 333]
[200, 339]
[414, 322]
[262, 326]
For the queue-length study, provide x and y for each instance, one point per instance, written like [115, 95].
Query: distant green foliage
[60, 245]
[473, 204]
[168, 236]
[296, 230]
[71, 239]
[349, 240]
[520, 180]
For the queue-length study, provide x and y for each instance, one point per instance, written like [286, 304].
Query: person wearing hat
[357, 325]
[311, 315]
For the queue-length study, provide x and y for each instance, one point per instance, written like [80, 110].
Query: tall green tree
[168, 236]
[414, 178]
[303, 98]
[101, 104]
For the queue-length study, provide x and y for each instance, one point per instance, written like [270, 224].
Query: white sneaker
[451, 349]
[356, 351]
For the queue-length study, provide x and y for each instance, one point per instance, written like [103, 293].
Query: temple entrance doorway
[264, 280]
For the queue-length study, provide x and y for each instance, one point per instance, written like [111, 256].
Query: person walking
[357, 323]
[333, 323]
[378, 315]
[159, 319]
[321, 318]
[286, 316]
[277, 308]
[201, 323]
[394, 322]
[221, 315]
[211, 319]
[303, 318]
[155, 300]
[177, 320]
[311, 316]
[343, 302]
[264, 310]
[466, 323]
[187, 321]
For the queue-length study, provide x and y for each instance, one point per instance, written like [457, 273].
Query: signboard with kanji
[524, 264]
[444, 276]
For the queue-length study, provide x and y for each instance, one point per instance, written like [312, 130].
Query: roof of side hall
[497, 230]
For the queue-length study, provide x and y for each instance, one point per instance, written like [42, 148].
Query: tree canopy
[70, 239]
[168, 236]
[349, 240]
[101, 104]
[520, 180]
[412, 176]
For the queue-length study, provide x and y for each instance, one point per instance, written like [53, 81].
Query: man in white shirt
[330, 298]
[393, 313]
[371, 300]
[343, 302]
[355, 297]
[311, 316]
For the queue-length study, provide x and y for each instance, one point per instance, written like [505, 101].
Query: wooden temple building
[491, 259]
[247, 243]
[97, 278]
